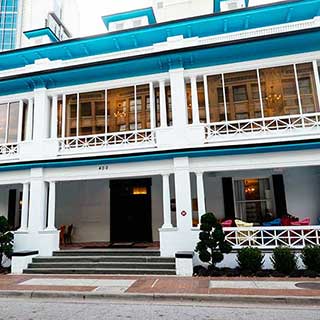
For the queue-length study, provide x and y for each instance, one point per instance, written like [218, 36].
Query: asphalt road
[11, 309]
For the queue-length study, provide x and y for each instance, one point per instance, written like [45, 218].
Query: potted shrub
[212, 244]
[6, 239]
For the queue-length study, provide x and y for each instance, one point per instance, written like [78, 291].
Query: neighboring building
[53, 20]
[132, 135]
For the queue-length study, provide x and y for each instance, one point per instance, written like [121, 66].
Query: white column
[29, 134]
[25, 207]
[200, 195]
[152, 106]
[183, 193]
[38, 201]
[41, 114]
[20, 121]
[166, 201]
[163, 104]
[195, 101]
[54, 117]
[52, 206]
[178, 98]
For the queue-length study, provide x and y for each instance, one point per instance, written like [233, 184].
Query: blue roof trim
[130, 15]
[40, 33]
[214, 24]
[193, 58]
[165, 156]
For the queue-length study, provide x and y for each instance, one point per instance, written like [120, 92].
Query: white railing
[272, 237]
[9, 149]
[132, 139]
[282, 125]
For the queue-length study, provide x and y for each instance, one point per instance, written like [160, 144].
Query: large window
[9, 122]
[253, 199]
[128, 109]
[284, 90]
[8, 24]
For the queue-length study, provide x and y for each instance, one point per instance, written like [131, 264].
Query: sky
[91, 11]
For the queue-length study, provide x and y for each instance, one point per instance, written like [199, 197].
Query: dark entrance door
[130, 210]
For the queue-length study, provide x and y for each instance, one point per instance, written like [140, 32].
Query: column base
[43, 241]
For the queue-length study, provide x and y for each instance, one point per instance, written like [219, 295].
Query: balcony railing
[271, 237]
[263, 127]
[117, 140]
[9, 150]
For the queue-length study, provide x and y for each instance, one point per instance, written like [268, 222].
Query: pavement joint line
[256, 299]
[154, 283]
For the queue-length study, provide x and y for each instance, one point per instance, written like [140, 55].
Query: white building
[53, 20]
[132, 135]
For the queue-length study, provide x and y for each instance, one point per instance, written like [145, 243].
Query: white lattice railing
[9, 149]
[142, 138]
[271, 237]
[261, 127]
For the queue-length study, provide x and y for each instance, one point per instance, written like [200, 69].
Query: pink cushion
[227, 223]
[303, 222]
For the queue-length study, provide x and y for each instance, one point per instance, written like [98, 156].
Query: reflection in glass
[3, 122]
[13, 122]
[143, 107]
[71, 115]
[307, 88]
[215, 96]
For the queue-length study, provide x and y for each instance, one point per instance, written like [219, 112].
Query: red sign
[183, 213]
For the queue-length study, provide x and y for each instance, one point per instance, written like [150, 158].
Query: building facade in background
[132, 135]
[58, 20]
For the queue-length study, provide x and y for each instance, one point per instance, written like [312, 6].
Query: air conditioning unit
[228, 5]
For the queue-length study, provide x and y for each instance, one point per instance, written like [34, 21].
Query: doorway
[130, 210]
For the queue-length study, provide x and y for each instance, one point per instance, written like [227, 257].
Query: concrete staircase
[103, 261]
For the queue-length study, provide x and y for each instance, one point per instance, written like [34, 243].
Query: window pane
[13, 122]
[201, 101]
[279, 91]
[3, 122]
[169, 105]
[59, 114]
[71, 115]
[91, 113]
[215, 95]
[307, 87]
[143, 107]
[119, 115]
[189, 102]
[242, 95]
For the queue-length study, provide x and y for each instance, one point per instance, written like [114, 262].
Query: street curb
[158, 297]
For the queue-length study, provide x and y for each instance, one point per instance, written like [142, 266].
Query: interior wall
[157, 207]
[302, 187]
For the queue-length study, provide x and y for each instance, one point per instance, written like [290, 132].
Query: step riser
[101, 265]
[105, 254]
[103, 259]
[105, 271]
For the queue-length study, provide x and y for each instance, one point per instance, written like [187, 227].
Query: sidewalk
[288, 290]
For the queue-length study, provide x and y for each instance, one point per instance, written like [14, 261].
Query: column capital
[199, 172]
[165, 174]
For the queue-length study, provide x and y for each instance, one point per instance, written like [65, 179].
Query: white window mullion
[297, 87]
[7, 123]
[78, 114]
[63, 133]
[206, 98]
[317, 80]
[152, 106]
[224, 98]
[20, 121]
[106, 111]
[135, 113]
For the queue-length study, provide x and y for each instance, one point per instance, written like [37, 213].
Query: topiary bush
[310, 256]
[212, 244]
[250, 260]
[284, 260]
[6, 239]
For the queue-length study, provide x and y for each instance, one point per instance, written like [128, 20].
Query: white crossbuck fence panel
[263, 127]
[141, 138]
[271, 237]
[9, 149]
